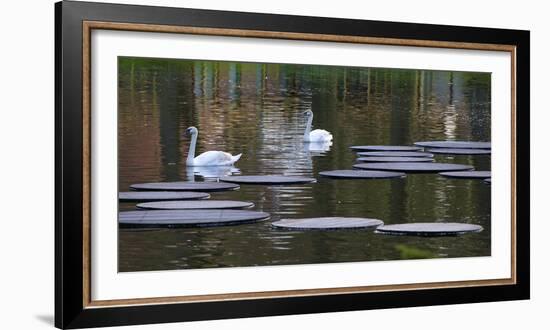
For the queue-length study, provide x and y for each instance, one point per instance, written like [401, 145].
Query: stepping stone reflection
[395, 159]
[394, 154]
[327, 223]
[144, 196]
[385, 148]
[193, 205]
[358, 174]
[467, 174]
[414, 167]
[460, 151]
[429, 229]
[188, 218]
[455, 144]
[185, 186]
[266, 179]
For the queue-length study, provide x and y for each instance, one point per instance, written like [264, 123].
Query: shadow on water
[257, 110]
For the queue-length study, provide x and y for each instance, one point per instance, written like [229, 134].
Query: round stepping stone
[146, 196]
[467, 174]
[185, 186]
[487, 181]
[455, 144]
[394, 159]
[429, 229]
[386, 148]
[327, 223]
[266, 179]
[194, 205]
[414, 167]
[356, 174]
[188, 218]
[394, 154]
[460, 151]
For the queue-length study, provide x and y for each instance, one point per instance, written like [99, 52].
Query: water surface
[257, 110]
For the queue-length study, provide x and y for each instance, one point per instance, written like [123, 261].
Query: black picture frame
[70, 309]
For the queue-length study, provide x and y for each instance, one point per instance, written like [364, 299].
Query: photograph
[241, 164]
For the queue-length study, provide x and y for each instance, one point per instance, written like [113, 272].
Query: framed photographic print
[218, 164]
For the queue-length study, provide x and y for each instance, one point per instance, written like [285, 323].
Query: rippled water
[257, 109]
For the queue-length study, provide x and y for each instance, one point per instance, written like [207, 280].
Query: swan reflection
[317, 148]
[211, 171]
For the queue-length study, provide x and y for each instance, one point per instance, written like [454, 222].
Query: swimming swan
[209, 158]
[318, 135]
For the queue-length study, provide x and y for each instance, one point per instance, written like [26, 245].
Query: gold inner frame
[88, 26]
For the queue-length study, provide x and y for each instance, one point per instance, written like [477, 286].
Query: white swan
[209, 158]
[318, 135]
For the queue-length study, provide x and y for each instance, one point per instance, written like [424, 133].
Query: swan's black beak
[188, 132]
[304, 113]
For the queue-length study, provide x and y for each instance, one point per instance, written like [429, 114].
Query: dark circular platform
[358, 174]
[394, 154]
[414, 167]
[460, 151]
[185, 186]
[429, 229]
[395, 159]
[146, 196]
[467, 174]
[194, 205]
[266, 179]
[386, 148]
[327, 223]
[188, 218]
[455, 144]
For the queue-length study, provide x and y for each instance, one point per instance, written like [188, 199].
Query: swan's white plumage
[208, 158]
[317, 135]
[215, 158]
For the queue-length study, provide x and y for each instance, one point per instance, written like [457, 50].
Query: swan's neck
[308, 128]
[191, 153]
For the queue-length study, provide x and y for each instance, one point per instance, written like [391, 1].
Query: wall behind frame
[27, 137]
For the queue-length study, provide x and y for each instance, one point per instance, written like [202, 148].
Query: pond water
[257, 110]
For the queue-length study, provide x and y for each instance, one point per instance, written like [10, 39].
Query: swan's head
[308, 113]
[191, 131]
